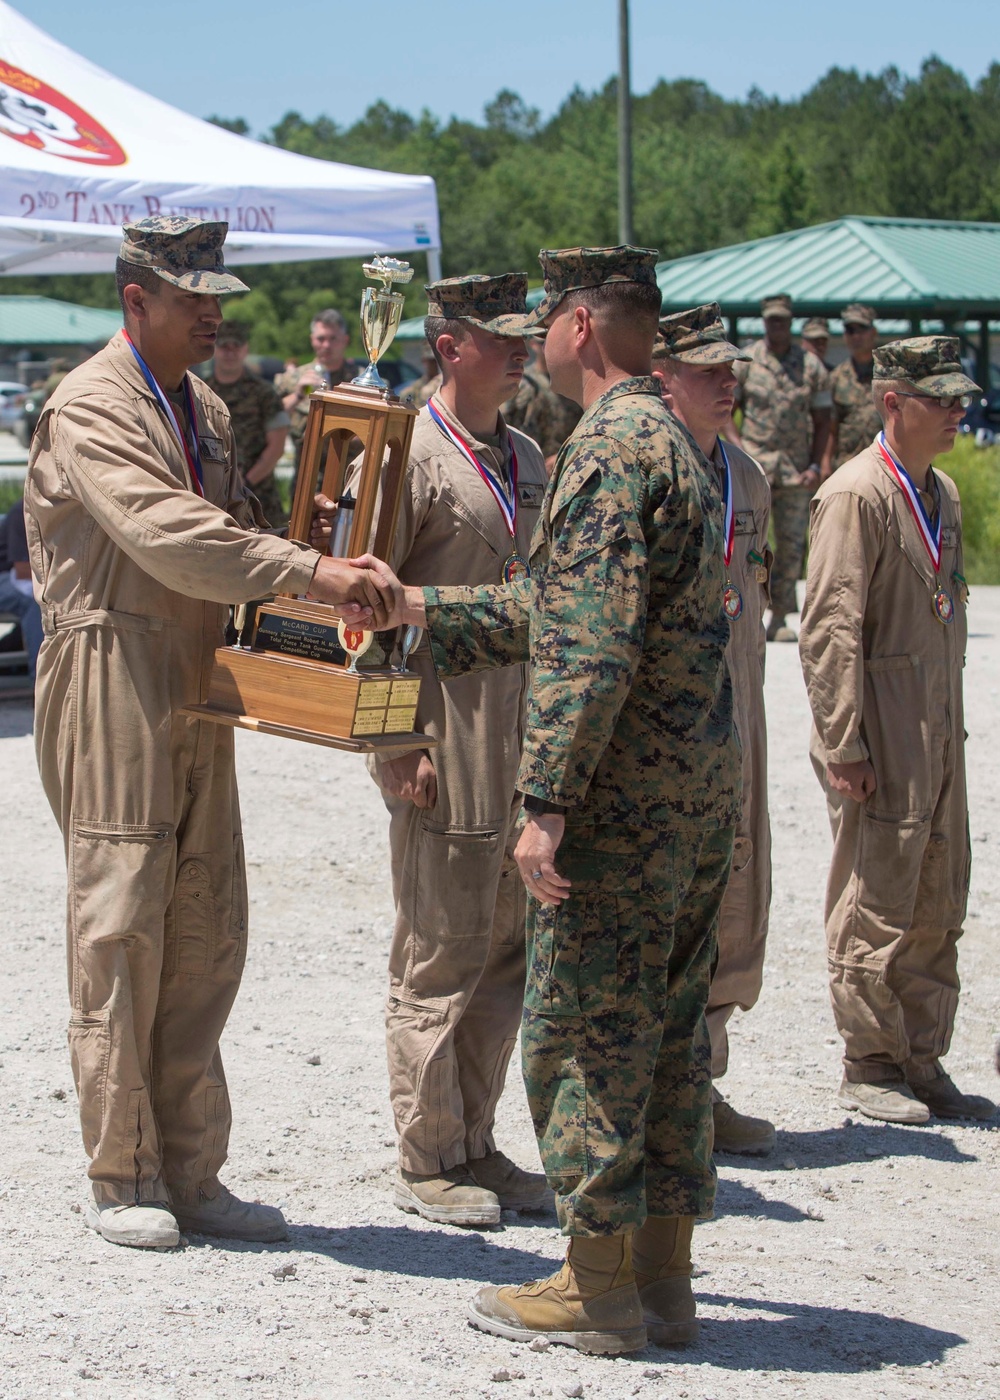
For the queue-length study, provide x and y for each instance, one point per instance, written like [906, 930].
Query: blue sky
[259, 60]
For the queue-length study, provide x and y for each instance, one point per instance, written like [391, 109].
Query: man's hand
[535, 854]
[853, 780]
[411, 777]
[324, 514]
[810, 478]
[407, 602]
[355, 589]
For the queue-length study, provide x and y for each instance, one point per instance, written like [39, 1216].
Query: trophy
[300, 674]
[381, 312]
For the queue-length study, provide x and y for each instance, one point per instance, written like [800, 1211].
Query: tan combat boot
[590, 1304]
[890, 1101]
[142, 1224]
[226, 1217]
[513, 1187]
[661, 1255]
[739, 1132]
[451, 1197]
[945, 1099]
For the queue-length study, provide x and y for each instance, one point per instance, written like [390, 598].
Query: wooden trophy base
[290, 683]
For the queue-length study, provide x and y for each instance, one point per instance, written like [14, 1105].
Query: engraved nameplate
[298, 636]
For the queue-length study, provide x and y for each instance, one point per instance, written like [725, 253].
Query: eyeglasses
[947, 402]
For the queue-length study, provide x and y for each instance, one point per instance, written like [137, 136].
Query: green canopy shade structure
[914, 270]
[41, 322]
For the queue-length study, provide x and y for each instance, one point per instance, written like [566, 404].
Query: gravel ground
[854, 1262]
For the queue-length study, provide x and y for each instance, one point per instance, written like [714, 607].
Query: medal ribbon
[507, 501]
[930, 536]
[192, 453]
[729, 517]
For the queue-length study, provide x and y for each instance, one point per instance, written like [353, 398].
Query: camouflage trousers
[790, 517]
[268, 494]
[615, 1048]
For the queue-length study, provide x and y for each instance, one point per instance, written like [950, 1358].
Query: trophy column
[299, 676]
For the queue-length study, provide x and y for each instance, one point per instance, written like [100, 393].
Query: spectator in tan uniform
[694, 361]
[883, 646]
[457, 965]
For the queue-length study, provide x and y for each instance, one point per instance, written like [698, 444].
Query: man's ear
[134, 298]
[447, 348]
[583, 324]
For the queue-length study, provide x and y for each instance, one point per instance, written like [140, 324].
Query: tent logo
[40, 117]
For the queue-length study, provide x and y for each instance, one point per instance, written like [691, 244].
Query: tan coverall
[736, 980]
[884, 678]
[457, 963]
[134, 572]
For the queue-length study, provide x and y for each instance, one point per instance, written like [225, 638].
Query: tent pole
[983, 355]
[434, 264]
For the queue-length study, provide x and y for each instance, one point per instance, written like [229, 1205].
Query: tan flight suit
[739, 971]
[457, 963]
[125, 555]
[885, 683]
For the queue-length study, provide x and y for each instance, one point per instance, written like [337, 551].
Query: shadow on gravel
[737, 1198]
[420, 1253]
[807, 1338]
[860, 1142]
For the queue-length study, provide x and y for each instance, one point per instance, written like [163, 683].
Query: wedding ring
[536, 874]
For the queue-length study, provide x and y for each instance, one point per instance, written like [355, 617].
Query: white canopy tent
[82, 152]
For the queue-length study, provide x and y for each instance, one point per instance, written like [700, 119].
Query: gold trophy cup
[299, 677]
[381, 312]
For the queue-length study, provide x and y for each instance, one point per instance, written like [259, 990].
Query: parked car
[10, 409]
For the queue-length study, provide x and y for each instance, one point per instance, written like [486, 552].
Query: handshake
[365, 590]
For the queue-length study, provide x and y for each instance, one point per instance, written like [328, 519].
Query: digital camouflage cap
[185, 252]
[581, 269]
[697, 336]
[857, 314]
[816, 328]
[233, 333]
[495, 304]
[928, 363]
[780, 305]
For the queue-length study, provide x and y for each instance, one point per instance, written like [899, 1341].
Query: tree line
[707, 172]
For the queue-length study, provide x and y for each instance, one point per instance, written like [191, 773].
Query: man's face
[927, 424]
[702, 396]
[182, 324]
[491, 360]
[560, 357]
[778, 330]
[230, 358]
[329, 344]
[860, 341]
[817, 345]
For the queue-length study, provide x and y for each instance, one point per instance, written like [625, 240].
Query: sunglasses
[947, 402]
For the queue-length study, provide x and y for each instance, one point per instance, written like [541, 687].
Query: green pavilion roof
[43, 321]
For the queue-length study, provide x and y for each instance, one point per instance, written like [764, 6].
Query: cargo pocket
[413, 1032]
[89, 1037]
[192, 920]
[456, 875]
[585, 957]
[119, 880]
[891, 856]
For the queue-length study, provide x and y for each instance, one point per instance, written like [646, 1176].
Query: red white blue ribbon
[930, 535]
[728, 515]
[505, 498]
[189, 446]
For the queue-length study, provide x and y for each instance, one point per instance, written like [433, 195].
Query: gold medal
[944, 606]
[515, 567]
[732, 602]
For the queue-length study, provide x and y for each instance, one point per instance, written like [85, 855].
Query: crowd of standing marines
[584, 857]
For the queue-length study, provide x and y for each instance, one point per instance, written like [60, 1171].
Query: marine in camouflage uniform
[855, 419]
[785, 396]
[540, 412]
[255, 411]
[295, 394]
[629, 733]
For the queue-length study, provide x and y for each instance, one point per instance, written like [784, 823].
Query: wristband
[538, 807]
